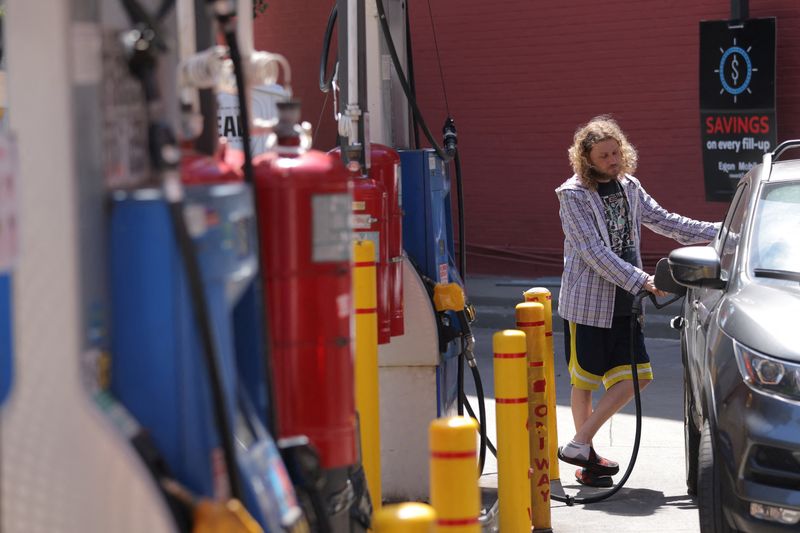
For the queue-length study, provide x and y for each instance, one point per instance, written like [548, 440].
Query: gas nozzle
[450, 136]
[664, 280]
[450, 297]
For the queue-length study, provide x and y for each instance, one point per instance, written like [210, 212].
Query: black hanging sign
[737, 100]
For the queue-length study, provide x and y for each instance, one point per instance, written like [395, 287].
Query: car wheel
[709, 500]
[691, 437]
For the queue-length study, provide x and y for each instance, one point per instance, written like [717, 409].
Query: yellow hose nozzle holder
[448, 297]
[511, 405]
[455, 495]
[542, 295]
[530, 320]
[410, 517]
[366, 364]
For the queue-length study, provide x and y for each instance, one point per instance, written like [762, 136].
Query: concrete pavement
[654, 497]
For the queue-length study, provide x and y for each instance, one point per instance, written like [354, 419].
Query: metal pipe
[740, 9]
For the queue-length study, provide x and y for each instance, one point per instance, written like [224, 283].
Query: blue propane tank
[158, 370]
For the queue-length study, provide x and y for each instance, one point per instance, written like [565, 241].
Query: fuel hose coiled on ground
[636, 314]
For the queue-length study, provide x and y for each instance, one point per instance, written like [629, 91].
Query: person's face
[605, 159]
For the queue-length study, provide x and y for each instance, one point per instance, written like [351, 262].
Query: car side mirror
[696, 266]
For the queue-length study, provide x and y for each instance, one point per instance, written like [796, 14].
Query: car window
[775, 242]
[731, 230]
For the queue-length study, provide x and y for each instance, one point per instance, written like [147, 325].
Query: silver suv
[741, 352]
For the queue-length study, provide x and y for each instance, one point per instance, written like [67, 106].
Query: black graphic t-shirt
[618, 224]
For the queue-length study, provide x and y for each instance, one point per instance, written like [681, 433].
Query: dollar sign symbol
[734, 64]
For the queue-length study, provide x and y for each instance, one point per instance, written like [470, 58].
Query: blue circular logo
[735, 67]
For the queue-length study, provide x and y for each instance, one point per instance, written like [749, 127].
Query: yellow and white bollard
[366, 364]
[542, 295]
[530, 320]
[411, 517]
[511, 404]
[455, 495]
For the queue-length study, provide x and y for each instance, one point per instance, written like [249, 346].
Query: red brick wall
[521, 75]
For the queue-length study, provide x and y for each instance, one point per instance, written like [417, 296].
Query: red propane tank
[370, 222]
[202, 169]
[385, 169]
[305, 198]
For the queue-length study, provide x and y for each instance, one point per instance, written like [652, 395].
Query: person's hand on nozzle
[650, 286]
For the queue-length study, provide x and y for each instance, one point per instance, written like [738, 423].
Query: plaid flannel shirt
[592, 271]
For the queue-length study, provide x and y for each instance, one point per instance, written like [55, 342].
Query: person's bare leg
[612, 401]
[581, 403]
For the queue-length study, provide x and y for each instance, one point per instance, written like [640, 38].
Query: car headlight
[768, 374]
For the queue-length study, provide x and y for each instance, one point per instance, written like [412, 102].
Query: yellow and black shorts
[603, 355]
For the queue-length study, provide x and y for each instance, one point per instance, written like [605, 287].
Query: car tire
[709, 500]
[691, 437]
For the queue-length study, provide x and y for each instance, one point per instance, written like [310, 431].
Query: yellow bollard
[511, 404]
[530, 320]
[411, 517]
[455, 495]
[543, 296]
[366, 364]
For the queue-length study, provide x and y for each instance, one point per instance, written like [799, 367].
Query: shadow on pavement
[627, 502]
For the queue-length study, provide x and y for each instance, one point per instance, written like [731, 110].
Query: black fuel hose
[228, 24]
[410, 64]
[325, 83]
[446, 157]
[485, 442]
[460, 386]
[571, 500]
[203, 319]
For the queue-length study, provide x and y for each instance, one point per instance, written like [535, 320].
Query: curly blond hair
[599, 129]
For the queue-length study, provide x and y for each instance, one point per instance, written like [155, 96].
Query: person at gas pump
[602, 209]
